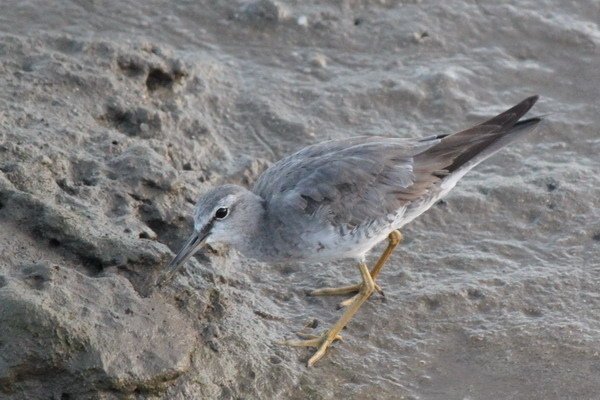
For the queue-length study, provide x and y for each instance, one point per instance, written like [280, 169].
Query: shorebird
[338, 199]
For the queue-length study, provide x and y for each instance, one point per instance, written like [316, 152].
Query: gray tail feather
[454, 155]
[519, 130]
[472, 146]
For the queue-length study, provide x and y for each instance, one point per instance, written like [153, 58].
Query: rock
[138, 121]
[302, 21]
[90, 335]
[140, 165]
[262, 13]
[318, 61]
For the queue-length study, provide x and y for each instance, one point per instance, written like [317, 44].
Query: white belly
[330, 244]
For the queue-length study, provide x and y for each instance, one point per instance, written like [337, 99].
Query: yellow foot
[321, 341]
[343, 290]
[349, 301]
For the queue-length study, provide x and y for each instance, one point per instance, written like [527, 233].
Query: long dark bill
[193, 244]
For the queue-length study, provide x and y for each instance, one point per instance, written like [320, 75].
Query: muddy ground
[115, 116]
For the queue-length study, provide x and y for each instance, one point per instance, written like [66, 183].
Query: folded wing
[352, 181]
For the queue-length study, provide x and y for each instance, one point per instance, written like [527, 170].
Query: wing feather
[347, 182]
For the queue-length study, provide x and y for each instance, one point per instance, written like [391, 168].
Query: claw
[363, 292]
[334, 291]
[349, 301]
[309, 340]
[343, 290]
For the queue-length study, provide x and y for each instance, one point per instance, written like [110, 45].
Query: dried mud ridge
[92, 196]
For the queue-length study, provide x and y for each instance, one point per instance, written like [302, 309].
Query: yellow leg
[394, 239]
[323, 342]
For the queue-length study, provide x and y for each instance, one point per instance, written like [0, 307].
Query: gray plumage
[339, 198]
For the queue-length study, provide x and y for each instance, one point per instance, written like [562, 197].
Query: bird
[339, 198]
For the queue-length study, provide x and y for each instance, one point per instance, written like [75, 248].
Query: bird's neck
[259, 236]
[247, 237]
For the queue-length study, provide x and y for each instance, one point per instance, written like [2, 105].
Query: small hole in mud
[475, 294]
[275, 360]
[37, 281]
[533, 312]
[144, 235]
[187, 166]
[313, 324]
[432, 304]
[596, 237]
[65, 396]
[90, 181]
[131, 67]
[358, 21]
[115, 142]
[93, 264]
[1, 205]
[158, 226]
[54, 242]
[66, 186]
[158, 79]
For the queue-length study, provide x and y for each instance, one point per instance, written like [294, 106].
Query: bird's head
[226, 214]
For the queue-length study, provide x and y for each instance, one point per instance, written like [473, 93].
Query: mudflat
[115, 116]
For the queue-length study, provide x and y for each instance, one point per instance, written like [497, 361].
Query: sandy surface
[115, 115]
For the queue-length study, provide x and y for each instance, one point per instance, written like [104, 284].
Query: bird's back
[356, 190]
[343, 181]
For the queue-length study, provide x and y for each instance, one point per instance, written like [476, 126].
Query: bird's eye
[221, 213]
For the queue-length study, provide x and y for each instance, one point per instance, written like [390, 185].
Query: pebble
[302, 21]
